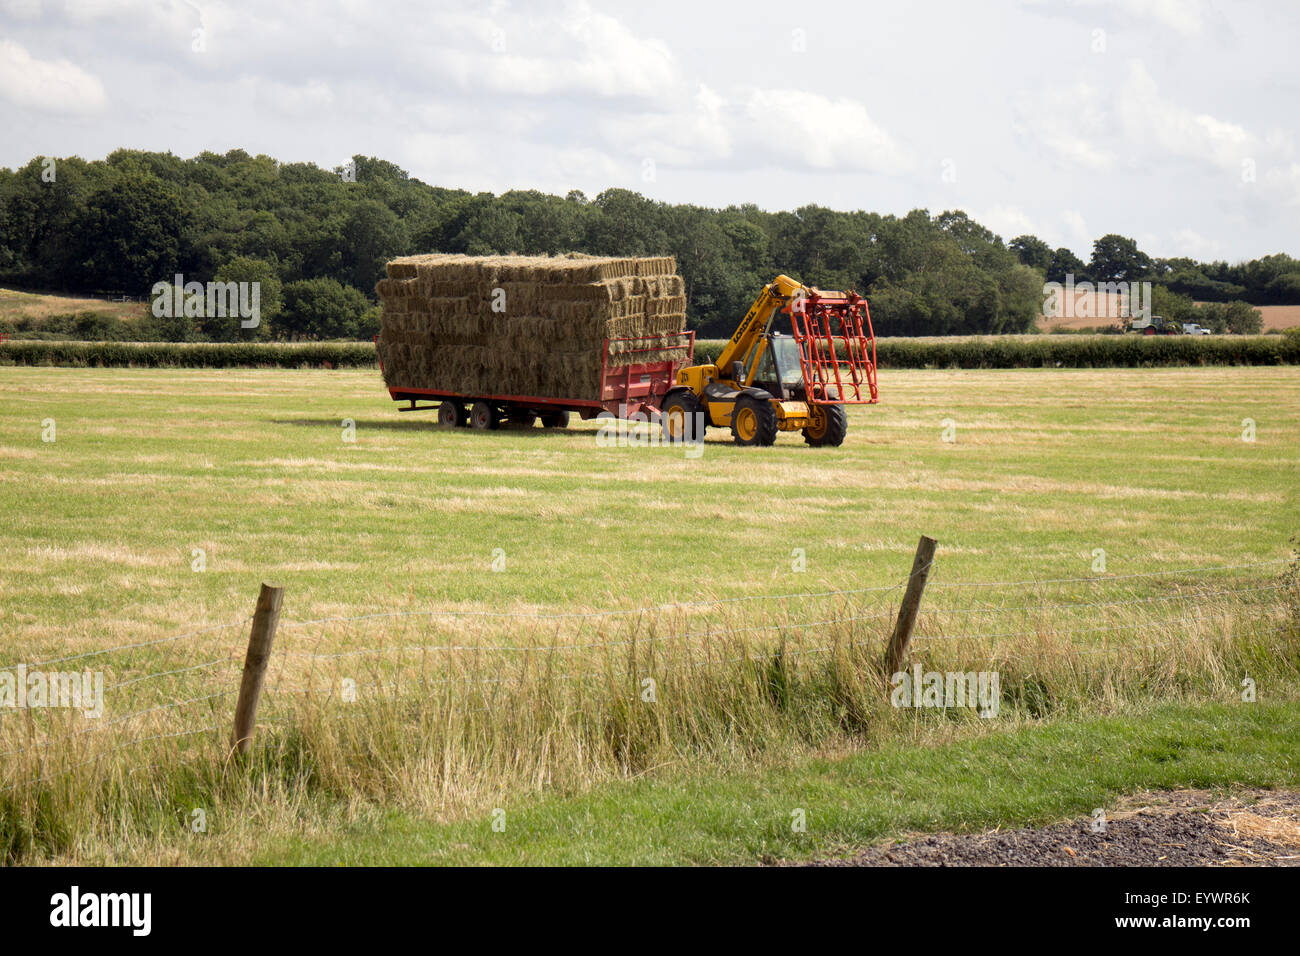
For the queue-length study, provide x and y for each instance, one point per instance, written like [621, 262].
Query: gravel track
[1181, 828]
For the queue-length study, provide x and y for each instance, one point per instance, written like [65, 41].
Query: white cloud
[1283, 182]
[1149, 118]
[555, 95]
[1070, 122]
[752, 128]
[1190, 243]
[821, 132]
[570, 50]
[697, 131]
[290, 99]
[1184, 17]
[54, 85]
[1007, 221]
[22, 9]
[1133, 125]
[1077, 234]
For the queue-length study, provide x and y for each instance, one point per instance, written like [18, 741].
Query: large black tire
[558, 419]
[682, 417]
[524, 417]
[451, 415]
[753, 422]
[484, 417]
[830, 423]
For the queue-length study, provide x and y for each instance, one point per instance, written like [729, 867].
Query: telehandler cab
[766, 381]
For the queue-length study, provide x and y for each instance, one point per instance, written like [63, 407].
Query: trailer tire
[559, 419]
[451, 415]
[525, 417]
[682, 418]
[830, 425]
[484, 417]
[753, 422]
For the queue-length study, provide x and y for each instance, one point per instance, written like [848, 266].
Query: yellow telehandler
[766, 380]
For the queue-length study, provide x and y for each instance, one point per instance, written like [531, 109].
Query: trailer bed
[625, 390]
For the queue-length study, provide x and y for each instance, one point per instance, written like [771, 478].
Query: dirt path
[1181, 828]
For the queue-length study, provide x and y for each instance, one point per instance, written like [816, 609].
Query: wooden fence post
[265, 619]
[907, 611]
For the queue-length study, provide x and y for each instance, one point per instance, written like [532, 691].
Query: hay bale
[525, 325]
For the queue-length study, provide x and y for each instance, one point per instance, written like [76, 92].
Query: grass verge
[1029, 776]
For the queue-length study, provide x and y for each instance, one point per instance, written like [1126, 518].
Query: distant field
[1280, 316]
[1274, 316]
[1089, 310]
[15, 305]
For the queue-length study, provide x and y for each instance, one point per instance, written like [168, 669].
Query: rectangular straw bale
[439, 331]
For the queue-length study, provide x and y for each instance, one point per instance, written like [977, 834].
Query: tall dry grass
[454, 715]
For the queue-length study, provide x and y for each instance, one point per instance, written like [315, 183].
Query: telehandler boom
[766, 381]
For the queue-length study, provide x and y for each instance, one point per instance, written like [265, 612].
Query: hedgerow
[1010, 351]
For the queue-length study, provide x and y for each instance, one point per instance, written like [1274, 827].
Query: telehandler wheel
[451, 415]
[753, 422]
[682, 418]
[484, 416]
[830, 423]
[558, 419]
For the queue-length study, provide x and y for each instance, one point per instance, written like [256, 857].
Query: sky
[1174, 122]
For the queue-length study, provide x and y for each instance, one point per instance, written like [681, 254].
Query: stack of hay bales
[547, 333]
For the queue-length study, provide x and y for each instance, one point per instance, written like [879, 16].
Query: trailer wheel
[521, 416]
[830, 423]
[753, 422]
[484, 416]
[451, 415]
[559, 419]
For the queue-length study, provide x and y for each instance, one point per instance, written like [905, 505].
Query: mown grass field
[254, 467]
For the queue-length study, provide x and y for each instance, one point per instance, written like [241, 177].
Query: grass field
[254, 469]
[16, 305]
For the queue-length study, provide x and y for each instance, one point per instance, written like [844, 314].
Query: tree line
[317, 241]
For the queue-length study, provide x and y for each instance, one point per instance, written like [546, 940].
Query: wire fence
[178, 687]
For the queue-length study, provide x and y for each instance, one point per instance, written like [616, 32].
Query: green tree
[321, 309]
[1032, 251]
[1116, 258]
[1173, 306]
[1064, 264]
[1237, 318]
[129, 233]
[491, 230]
[1284, 288]
[270, 300]
[1243, 319]
[371, 234]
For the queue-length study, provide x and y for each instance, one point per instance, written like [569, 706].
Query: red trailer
[625, 390]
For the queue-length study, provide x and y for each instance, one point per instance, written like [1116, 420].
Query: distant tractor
[1153, 325]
